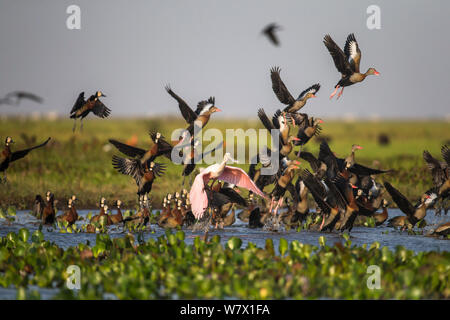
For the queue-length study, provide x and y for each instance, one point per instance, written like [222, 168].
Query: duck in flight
[270, 32]
[82, 108]
[347, 63]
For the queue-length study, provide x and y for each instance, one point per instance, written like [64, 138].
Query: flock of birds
[342, 189]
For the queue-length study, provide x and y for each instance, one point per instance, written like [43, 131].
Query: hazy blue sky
[131, 49]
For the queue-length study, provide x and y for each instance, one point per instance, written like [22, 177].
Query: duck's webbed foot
[340, 93]
[334, 92]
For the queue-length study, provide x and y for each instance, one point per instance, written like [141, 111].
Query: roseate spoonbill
[218, 171]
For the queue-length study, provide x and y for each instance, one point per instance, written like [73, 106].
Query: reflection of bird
[6, 157]
[269, 31]
[81, 108]
[349, 69]
[218, 171]
[285, 97]
[14, 98]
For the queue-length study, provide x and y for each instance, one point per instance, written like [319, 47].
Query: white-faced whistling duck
[160, 148]
[269, 32]
[6, 157]
[285, 97]
[143, 173]
[71, 215]
[14, 98]
[413, 213]
[103, 213]
[117, 218]
[81, 108]
[440, 171]
[48, 214]
[201, 115]
[142, 217]
[349, 69]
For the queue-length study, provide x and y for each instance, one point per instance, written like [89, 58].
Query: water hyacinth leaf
[322, 241]
[283, 246]
[269, 246]
[234, 243]
[24, 234]
[37, 236]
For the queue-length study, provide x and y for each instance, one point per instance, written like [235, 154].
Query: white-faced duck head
[99, 94]
[118, 203]
[8, 141]
[105, 207]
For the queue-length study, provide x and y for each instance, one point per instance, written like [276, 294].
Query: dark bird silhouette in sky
[270, 31]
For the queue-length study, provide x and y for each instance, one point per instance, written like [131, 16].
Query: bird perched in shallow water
[347, 62]
[7, 156]
[83, 107]
[270, 32]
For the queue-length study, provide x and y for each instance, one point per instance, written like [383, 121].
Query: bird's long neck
[222, 165]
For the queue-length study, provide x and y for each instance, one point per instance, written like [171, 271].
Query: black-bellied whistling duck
[7, 156]
[14, 98]
[308, 128]
[380, 218]
[201, 115]
[71, 215]
[48, 214]
[442, 230]
[284, 183]
[318, 167]
[327, 197]
[285, 97]
[279, 122]
[350, 160]
[346, 219]
[348, 68]
[144, 174]
[160, 147]
[258, 217]
[413, 213]
[269, 32]
[83, 107]
[118, 217]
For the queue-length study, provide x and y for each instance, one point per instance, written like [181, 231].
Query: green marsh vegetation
[167, 268]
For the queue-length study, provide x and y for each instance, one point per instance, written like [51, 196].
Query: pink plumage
[233, 175]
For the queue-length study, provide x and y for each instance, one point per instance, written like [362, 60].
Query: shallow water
[386, 236]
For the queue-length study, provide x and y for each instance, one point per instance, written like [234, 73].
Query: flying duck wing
[279, 88]
[127, 149]
[435, 168]
[313, 161]
[78, 103]
[100, 110]
[352, 52]
[269, 31]
[313, 89]
[339, 58]
[361, 170]
[445, 151]
[401, 201]
[268, 124]
[22, 153]
[188, 114]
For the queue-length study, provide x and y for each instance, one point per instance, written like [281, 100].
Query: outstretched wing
[327, 156]
[361, 170]
[127, 149]
[100, 110]
[23, 95]
[198, 197]
[445, 151]
[279, 88]
[435, 168]
[269, 31]
[313, 89]
[130, 167]
[339, 58]
[268, 124]
[313, 161]
[401, 201]
[188, 114]
[240, 178]
[352, 52]
[22, 153]
[78, 103]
